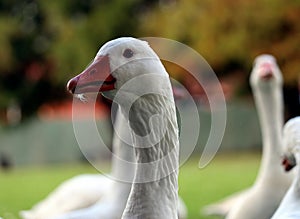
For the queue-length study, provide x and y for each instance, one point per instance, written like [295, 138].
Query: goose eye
[128, 53]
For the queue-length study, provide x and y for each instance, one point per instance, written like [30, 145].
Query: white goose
[144, 94]
[260, 201]
[222, 207]
[78, 192]
[112, 203]
[290, 205]
[95, 194]
[85, 190]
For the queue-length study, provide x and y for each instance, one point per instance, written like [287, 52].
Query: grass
[23, 187]
[225, 175]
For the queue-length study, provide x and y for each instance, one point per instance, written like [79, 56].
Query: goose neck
[154, 192]
[269, 103]
[270, 111]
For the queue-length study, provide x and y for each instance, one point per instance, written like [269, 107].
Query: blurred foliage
[230, 33]
[44, 43]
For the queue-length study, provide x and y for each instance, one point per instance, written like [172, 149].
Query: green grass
[23, 187]
[225, 175]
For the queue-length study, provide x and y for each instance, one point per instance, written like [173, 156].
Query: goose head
[117, 62]
[291, 140]
[265, 72]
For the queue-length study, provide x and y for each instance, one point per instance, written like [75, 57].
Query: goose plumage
[222, 207]
[112, 203]
[261, 201]
[290, 205]
[78, 192]
[131, 69]
[88, 190]
[94, 194]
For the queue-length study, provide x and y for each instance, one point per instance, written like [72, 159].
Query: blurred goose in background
[78, 192]
[290, 205]
[222, 207]
[266, 82]
[261, 200]
[85, 190]
[143, 90]
[112, 203]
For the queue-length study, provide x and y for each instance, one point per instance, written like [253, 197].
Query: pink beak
[266, 71]
[95, 78]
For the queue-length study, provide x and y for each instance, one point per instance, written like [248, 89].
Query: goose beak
[266, 71]
[95, 78]
[288, 162]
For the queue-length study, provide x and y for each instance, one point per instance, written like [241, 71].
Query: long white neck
[269, 105]
[154, 192]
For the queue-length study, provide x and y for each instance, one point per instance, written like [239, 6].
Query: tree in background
[44, 43]
[26, 76]
[230, 33]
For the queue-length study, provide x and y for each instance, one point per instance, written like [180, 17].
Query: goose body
[109, 203]
[112, 203]
[78, 192]
[92, 191]
[222, 207]
[290, 205]
[93, 194]
[130, 67]
[260, 201]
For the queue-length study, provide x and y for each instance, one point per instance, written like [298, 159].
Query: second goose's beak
[266, 71]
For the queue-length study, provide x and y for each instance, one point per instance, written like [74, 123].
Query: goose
[85, 190]
[78, 192]
[260, 201]
[130, 69]
[112, 203]
[222, 207]
[290, 206]
[95, 194]
[262, 64]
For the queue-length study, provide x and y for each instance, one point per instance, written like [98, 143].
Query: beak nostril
[95, 78]
[93, 71]
[72, 85]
